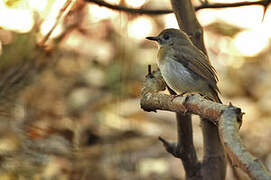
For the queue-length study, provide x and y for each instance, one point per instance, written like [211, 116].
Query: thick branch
[228, 118]
[186, 17]
[228, 130]
[188, 21]
[184, 148]
[214, 162]
[151, 100]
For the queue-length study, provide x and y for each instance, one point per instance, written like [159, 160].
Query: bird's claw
[179, 95]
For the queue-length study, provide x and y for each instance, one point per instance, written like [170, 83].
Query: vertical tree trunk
[214, 162]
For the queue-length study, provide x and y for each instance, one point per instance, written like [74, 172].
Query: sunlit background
[252, 39]
[100, 58]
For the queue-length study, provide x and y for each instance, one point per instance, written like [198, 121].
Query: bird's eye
[166, 36]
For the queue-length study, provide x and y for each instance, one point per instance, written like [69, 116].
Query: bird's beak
[153, 38]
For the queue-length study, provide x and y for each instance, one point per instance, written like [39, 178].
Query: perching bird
[184, 67]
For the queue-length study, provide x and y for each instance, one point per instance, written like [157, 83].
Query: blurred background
[71, 73]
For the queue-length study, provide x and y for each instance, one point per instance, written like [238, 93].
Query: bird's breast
[163, 53]
[177, 76]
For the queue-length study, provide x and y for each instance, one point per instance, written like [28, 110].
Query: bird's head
[170, 37]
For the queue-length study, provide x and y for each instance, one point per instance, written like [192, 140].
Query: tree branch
[184, 148]
[228, 131]
[214, 162]
[151, 100]
[131, 10]
[264, 3]
[188, 21]
[60, 14]
[185, 14]
[231, 5]
[228, 118]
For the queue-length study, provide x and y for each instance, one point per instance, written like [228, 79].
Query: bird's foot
[178, 95]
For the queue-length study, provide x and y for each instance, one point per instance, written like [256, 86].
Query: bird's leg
[179, 95]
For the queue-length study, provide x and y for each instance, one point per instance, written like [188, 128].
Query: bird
[184, 67]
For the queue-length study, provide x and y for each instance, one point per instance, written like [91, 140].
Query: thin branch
[264, 3]
[61, 12]
[231, 5]
[131, 10]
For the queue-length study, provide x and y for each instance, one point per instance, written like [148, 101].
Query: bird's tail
[215, 96]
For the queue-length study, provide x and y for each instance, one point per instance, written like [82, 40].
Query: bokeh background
[70, 79]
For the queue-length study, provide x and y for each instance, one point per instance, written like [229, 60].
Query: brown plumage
[184, 67]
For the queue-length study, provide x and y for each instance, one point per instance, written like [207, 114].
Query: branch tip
[172, 148]
[169, 146]
[149, 75]
[149, 69]
[237, 110]
[265, 6]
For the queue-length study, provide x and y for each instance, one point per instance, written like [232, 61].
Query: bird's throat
[162, 54]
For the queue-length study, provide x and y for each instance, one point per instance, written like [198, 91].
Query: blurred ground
[70, 108]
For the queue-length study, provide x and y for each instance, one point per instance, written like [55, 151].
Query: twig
[172, 148]
[46, 37]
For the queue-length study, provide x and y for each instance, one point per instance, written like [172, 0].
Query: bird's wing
[198, 62]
